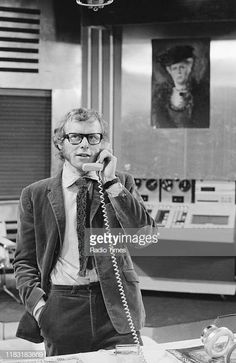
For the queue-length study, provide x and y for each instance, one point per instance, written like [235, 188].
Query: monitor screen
[209, 219]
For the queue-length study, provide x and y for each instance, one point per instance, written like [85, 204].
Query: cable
[117, 273]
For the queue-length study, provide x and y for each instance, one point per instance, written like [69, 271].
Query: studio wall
[59, 64]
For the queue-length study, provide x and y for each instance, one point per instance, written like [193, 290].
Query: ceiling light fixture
[94, 4]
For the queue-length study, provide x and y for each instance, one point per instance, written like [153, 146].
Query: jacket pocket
[131, 275]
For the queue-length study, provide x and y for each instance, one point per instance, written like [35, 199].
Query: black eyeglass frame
[68, 137]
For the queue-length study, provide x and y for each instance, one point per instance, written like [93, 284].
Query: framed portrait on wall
[180, 83]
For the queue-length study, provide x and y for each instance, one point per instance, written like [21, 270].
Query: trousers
[75, 320]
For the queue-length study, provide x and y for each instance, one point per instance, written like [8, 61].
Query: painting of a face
[180, 71]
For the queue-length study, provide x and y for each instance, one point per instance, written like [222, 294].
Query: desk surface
[153, 352]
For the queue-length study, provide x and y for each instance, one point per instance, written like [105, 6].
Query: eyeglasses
[76, 139]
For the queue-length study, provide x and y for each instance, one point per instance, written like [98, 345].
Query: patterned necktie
[82, 206]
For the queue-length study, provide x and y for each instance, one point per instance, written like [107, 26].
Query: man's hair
[78, 115]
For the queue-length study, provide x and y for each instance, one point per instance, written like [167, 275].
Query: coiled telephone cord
[117, 274]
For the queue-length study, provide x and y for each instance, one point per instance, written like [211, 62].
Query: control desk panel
[167, 215]
[196, 219]
[154, 191]
[191, 210]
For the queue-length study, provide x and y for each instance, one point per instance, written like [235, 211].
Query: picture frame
[180, 83]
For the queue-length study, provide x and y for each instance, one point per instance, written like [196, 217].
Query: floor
[167, 309]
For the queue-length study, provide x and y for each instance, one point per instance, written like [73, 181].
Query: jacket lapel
[55, 197]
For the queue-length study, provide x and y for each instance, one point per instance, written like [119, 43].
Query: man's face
[82, 153]
[180, 71]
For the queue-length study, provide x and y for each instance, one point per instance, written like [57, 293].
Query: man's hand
[105, 157]
[38, 309]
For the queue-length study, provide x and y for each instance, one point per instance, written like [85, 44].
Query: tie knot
[81, 183]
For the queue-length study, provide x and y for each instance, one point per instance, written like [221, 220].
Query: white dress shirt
[66, 270]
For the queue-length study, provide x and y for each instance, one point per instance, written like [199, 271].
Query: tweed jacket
[40, 237]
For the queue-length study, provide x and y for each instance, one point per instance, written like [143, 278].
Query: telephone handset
[98, 167]
[92, 167]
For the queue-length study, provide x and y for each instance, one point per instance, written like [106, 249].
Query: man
[71, 306]
[181, 101]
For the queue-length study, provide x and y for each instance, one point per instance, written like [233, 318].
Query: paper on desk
[61, 359]
[157, 355]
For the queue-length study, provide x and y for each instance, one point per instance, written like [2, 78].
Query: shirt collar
[70, 174]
